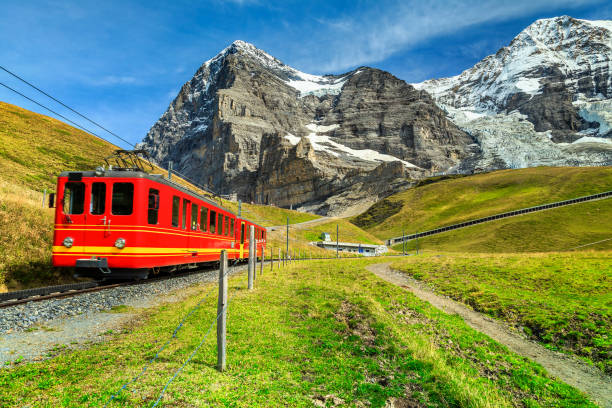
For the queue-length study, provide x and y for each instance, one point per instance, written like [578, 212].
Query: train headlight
[68, 241]
[120, 243]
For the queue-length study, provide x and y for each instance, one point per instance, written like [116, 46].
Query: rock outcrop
[555, 76]
[248, 124]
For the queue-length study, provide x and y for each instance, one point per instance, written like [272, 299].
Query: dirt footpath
[570, 370]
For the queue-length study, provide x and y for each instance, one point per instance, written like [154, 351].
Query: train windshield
[123, 198]
[74, 198]
[98, 196]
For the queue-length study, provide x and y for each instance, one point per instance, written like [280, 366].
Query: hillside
[449, 201]
[34, 149]
[557, 229]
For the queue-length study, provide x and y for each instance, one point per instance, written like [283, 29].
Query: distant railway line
[593, 197]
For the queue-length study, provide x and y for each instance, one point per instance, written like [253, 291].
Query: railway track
[19, 297]
[62, 291]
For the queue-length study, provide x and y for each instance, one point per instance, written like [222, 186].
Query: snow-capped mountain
[248, 124]
[577, 52]
[545, 99]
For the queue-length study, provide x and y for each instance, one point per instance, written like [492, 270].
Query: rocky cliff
[248, 124]
[545, 99]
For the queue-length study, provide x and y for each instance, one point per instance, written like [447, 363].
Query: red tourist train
[128, 224]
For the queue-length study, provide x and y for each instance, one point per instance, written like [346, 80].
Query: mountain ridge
[249, 124]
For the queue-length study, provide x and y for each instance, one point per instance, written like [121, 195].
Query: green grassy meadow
[563, 300]
[325, 332]
[450, 201]
[558, 229]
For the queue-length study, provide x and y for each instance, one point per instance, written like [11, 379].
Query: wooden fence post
[262, 262]
[222, 312]
[252, 255]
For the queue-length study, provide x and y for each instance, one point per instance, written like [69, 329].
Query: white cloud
[378, 33]
[113, 80]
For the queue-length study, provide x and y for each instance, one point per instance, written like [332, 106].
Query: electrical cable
[64, 105]
[52, 111]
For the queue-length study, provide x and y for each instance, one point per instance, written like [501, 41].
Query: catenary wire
[51, 110]
[64, 105]
[88, 119]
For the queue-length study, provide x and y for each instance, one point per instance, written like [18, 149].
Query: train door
[97, 215]
[194, 241]
[72, 219]
[186, 217]
[242, 230]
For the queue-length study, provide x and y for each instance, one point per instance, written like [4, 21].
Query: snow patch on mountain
[575, 47]
[324, 143]
[597, 111]
[316, 85]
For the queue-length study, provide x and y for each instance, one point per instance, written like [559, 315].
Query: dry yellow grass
[26, 234]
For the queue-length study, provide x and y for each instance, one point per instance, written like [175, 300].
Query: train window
[220, 224]
[176, 204]
[98, 196]
[242, 233]
[185, 208]
[194, 217]
[213, 222]
[74, 198]
[226, 225]
[153, 206]
[203, 218]
[231, 227]
[123, 198]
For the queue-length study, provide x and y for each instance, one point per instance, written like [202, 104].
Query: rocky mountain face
[248, 124]
[545, 99]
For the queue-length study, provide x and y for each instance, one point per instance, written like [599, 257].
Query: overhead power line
[86, 118]
[65, 106]
[51, 110]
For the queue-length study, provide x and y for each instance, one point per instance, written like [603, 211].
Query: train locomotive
[121, 222]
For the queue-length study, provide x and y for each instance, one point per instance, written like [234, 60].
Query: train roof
[153, 177]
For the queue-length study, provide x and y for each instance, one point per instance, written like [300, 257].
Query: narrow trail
[568, 369]
[303, 224]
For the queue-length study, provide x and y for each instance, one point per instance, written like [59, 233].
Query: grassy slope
[268, 216]
[557, 229]
[301, 236]
[320, 330]
[448, 202]
[34, 149]
[562, 299]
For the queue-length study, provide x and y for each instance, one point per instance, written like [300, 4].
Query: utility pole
[287, 247]
[337, 243]
[239, 208]
[403, 242]
[222, 313]
[170, 170]
[252, 256]
[417, 242]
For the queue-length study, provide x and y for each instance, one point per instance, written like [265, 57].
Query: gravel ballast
[29, 331]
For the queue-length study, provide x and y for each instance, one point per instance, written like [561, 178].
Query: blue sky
[122, 62]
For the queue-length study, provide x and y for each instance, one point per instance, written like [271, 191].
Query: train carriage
[128, 224]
